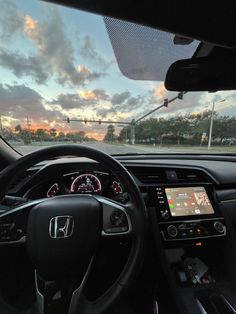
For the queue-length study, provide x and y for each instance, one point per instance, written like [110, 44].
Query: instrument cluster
[79, 182]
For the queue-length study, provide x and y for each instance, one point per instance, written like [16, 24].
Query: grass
[189, 148]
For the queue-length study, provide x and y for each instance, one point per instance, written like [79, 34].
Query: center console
[193, 245]
[188, 212]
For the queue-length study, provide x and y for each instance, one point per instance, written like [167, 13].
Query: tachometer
[86, 183]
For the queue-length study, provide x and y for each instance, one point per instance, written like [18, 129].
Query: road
[124, 148]
[108, 148]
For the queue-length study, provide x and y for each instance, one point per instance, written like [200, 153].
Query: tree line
[188, 129]
[27, 135]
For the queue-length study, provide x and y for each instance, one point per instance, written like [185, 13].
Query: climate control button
[219, 227]
[172, 231]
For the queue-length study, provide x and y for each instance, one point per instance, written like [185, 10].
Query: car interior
[88, 232]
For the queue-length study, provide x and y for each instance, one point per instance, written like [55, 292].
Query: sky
[57, 62]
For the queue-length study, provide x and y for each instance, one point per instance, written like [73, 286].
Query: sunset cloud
[161, 91]
[83, 69]
[56, 50]
[87, 95]
[96, 94]
[56, 64]
[19, 101]
[30, 24]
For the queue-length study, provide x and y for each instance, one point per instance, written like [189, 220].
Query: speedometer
[86, 183]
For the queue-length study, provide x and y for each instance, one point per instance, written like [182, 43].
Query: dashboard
[189, 196]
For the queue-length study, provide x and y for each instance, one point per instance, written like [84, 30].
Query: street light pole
[132, 131]
[211, 125]
[211, 122]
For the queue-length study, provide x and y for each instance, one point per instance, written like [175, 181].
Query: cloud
[161, 91]
[158, 94]
[192, 102]
[96, 94]
[101, 94]
[119, 98]
[88, 75]
[56, 50]
[20, 101]
[97, 103]
[134, 102]
[89, 52]
[122, 104]
[103, 112]
[15, 97]
[29, 24]
[71, 101]
[11, 20]
[22, 65]
[83, 100]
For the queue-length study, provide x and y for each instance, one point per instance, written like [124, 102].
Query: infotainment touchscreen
[186, 201]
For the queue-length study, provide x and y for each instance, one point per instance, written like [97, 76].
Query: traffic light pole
[68, 120]
[133, 121]
[165, 104]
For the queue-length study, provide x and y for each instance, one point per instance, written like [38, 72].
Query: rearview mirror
[202, 74]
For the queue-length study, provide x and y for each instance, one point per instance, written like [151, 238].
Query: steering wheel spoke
[13, 223]
[64, 296]
[116, 219]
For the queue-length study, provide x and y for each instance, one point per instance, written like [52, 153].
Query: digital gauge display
[116, 187]
[86, 183]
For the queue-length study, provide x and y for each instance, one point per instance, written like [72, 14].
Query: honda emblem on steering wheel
[61, 227]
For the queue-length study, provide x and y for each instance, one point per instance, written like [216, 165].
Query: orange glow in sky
[34, 127]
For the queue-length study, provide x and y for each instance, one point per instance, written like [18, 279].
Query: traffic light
[181, 95]
[85, 120]
[68, 120]
[100, 121]
[166, 101]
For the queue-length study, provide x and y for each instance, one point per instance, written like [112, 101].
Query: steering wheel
[62, 234]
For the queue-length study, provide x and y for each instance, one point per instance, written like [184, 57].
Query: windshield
[69, 76]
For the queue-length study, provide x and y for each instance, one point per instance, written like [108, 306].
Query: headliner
[212, 23]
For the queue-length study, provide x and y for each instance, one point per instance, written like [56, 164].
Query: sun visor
[144, 53]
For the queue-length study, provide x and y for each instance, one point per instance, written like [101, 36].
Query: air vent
[149, 175]
[156, 175]
[190, 175]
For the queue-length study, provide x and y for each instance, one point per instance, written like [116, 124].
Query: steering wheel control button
[118, 222]
[219, 227]
[10, 226]
[172, 231]
[115, 219]
[118, 218]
